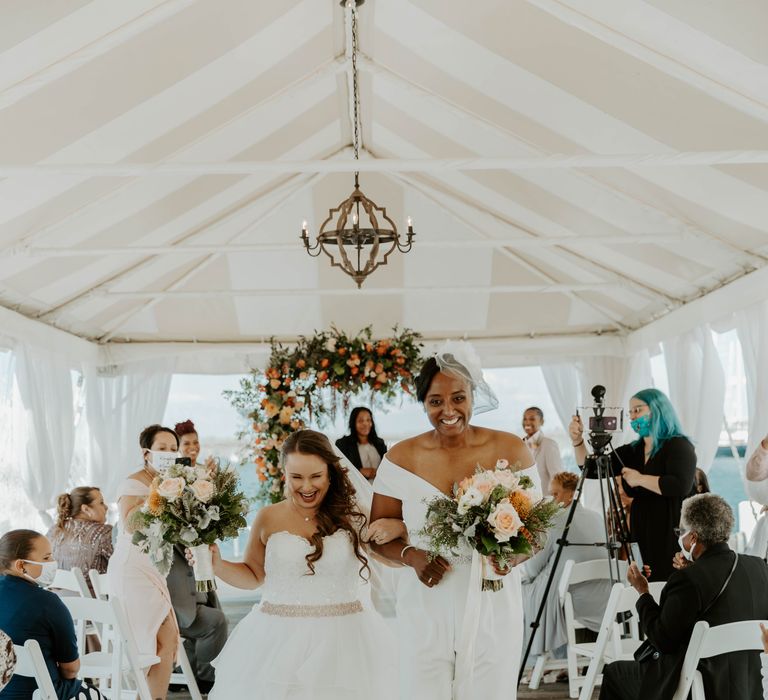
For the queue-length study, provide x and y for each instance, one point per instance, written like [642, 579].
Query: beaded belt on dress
[332, 610]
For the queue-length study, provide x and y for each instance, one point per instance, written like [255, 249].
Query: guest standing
[545, 450]
[134, 580]
[81, 538]
[363, 447]
[757, 490]
[202, 623]
[657, 471]
[28, 611]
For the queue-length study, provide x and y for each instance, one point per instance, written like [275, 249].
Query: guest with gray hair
[710, 582]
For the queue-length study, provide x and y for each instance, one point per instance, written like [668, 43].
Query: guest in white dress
[311, 637]
[587, 527]
[757, 490]
[455, 641]
[133, 578]
[545, 450]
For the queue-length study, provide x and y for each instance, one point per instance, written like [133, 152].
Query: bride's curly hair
[338, 509]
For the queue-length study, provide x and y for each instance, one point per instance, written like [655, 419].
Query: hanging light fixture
[358, 235]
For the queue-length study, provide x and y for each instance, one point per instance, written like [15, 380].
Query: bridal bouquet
[496, 512]
[192, 506]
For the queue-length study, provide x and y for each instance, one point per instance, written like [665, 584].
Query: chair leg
[538, 670]
[189, 674]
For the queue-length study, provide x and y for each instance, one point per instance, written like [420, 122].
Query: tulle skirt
[270, 657]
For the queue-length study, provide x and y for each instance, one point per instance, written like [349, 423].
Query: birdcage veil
[460, 359]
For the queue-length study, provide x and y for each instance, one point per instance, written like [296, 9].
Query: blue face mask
[642, 425]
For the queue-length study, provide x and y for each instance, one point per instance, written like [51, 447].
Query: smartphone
[634, 549]
[186, 461]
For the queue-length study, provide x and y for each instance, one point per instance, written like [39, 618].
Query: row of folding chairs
[119, 660]
[619, 636]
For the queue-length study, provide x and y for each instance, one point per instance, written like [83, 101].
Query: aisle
[236, 608]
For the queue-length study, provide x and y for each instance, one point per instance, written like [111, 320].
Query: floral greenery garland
[295, 387]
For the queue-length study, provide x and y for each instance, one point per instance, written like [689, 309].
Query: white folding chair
[72, 580]
[616, 641]
[101, 587]
[30, 662]
[573, 574]
[709, 641]
[116, 656]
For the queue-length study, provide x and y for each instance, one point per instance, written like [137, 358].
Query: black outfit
[30, 612]
[348, 446]
[669, 624]
[202, 623]
[653, 516]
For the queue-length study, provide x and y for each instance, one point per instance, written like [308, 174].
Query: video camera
[603, 423]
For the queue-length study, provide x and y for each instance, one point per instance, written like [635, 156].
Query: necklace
[306, 518]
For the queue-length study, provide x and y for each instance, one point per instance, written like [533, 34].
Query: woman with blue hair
[657, 471]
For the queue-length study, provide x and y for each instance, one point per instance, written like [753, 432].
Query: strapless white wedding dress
[310, 638]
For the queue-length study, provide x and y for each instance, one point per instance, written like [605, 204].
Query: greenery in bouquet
[495, 511]
[190, 506]
[310, 381]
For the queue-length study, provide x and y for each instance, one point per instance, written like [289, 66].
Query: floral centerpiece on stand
[311, 381]
[192, 506]
[496, 512]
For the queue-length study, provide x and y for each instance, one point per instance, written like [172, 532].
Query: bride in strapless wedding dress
[310, 637]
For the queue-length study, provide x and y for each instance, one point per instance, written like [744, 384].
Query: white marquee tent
[587, 179]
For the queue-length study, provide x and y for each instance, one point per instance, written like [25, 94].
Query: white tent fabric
[44, 381]
[697, 389]
[752, 327]
[118, 406]
[562, 382]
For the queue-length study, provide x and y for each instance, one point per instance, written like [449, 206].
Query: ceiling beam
[391, 165]
[543, 288]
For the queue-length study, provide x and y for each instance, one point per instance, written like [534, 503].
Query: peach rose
[286, 412]
[203, 490]
[274, 383]
[171, 488]
[505, 521]
[271, 409]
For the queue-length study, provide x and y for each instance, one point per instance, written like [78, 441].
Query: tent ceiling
[207, 249]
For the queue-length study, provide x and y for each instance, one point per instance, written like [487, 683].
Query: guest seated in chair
[711, 583]
[81, 538]
[28, 611]
[588, 597]
[362, 446]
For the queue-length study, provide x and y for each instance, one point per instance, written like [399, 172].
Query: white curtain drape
[562, 382]
[752, 329]
[697, 389]
[119, 403]
[44, 382]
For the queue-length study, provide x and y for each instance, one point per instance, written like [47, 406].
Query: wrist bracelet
[578, 444]
[404, 550]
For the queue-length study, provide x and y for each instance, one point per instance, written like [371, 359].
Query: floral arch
[311, 380]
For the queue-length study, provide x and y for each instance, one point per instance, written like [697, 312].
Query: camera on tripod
[603, 423]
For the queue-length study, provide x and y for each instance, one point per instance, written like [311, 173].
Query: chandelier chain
[355, 91]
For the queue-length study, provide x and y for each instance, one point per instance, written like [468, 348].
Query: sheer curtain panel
[752, 329]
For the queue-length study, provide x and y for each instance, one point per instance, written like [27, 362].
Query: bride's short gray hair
[709, 516]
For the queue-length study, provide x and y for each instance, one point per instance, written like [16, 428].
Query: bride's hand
[385, 530]
[429, 571]
[512, 562]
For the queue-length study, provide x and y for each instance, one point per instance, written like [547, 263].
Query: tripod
[597, 466]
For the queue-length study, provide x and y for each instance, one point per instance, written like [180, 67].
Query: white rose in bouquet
[203, 490]
[171, 488]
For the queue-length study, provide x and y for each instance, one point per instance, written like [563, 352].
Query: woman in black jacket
[362, 446]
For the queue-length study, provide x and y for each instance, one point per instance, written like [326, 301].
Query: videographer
[657, 472]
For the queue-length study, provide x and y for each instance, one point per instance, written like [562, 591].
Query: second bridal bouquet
[496, 512]
[192, 506]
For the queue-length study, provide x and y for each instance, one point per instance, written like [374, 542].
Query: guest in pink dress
[133, 579]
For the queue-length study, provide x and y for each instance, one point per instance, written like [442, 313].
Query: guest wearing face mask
[657, 472]
[28, 611]
[134, 580]
[81, 538]
[544, 450]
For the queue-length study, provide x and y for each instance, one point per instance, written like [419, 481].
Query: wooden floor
[237, 608]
